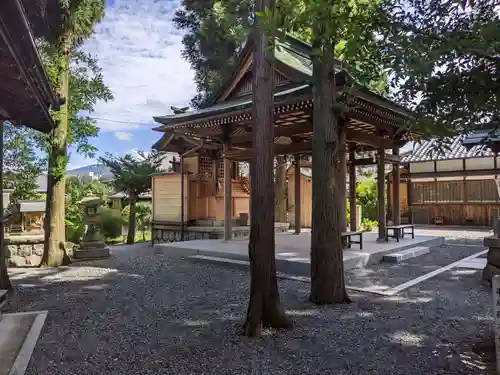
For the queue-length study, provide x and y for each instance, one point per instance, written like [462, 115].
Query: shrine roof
[26, 93]
[372, 120]
[226, 107]
[477, 144]
[32, 206]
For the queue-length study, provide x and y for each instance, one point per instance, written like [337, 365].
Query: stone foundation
[162, 233]
[26, 251]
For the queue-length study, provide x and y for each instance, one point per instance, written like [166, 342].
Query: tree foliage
[217, 30]
[86, 89]
[79, 81]
[215, 33]
[133, 175]
[22, 166]
[445, 58]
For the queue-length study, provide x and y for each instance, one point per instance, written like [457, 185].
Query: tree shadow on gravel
[156, 313]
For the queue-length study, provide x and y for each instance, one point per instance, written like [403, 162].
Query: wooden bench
[398, 231]
[348, 237]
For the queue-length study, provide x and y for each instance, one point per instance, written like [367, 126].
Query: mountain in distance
[94, 170]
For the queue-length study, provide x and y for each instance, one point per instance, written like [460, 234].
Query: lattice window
[205, 166]
[450, 192]
[481, 191]
[221, 168]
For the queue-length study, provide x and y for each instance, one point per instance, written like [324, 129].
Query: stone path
[146, 311]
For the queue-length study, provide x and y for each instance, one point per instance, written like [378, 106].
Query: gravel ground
[146, 312]
[455, 235]
[391, 275]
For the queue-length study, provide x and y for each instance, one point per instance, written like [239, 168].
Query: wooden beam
[298, 194]
[228, 197]
[369, 139]
[396, 212]
[392, 159]
[182, 198]
[342, 157]
[282, 131]
[352, 192]
[381, 195]
[478, 172]
[290, 149]
[388, 159]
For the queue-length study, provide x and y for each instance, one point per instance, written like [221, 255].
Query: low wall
[162, 233]
[23, 251]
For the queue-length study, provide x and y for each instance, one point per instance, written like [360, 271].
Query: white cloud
[166, 162]
[139, 50]
[123, 136]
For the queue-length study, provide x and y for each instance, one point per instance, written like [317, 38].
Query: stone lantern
[92, 245]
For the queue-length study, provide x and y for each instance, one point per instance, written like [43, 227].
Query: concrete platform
[293, 251]
[400, 256]
[18, 336]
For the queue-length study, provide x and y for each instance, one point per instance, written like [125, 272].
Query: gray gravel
[142, 312]
[393, 274]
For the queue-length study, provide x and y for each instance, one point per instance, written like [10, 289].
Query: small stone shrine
[493, 262]
[92, 245]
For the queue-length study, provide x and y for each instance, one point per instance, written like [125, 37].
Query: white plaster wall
[479, 163]
[449, 165]
[426, 166]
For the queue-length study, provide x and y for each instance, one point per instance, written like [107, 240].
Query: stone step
[402, 255]
[88, 254]
[237, 263]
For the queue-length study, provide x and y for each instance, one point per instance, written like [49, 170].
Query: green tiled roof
[232, 105]
[292, 53]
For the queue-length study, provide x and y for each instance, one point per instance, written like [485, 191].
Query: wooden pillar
[228, 196]
[409, 187]
[182, 198]
[342, 175]
[381, 194]
[352, 192]
[2, 223]
[298, 200]
[396, 210]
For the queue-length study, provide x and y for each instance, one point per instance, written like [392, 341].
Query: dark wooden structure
[26, 95]
[223, 127]
[454, 185]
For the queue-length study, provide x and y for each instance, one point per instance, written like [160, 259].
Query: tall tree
[347, 29]
[133, 176]
[22, 165]
[79, 80]
[264, 308]
[455, 88]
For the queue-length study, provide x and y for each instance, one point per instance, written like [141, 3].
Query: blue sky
[139, 51]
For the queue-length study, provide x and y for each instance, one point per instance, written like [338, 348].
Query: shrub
[111, 223]
[366, 195]
[368, 225]
[74, 231]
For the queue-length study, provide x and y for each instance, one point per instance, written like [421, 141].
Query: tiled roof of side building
[452, 149]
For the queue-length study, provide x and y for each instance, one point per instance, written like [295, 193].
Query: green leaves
[22, 166]
[133, 175]
[448, 67]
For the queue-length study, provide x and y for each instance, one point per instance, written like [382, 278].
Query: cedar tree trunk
[264, 309]
[131, 219]
[280, 189]
[327, 267]
[54, 252]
